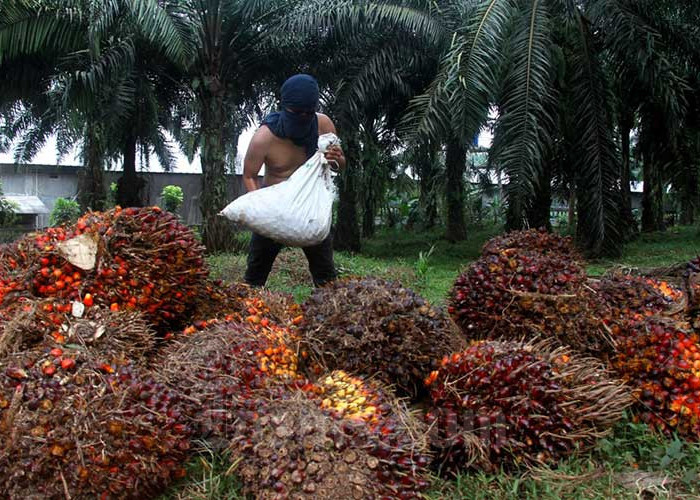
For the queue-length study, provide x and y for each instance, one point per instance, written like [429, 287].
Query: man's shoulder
[262, 137]
[325, 124]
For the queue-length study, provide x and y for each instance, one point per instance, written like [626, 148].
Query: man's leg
[320, 259]
[261, 256]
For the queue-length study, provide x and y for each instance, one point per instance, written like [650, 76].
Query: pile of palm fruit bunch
[368, 326]
[82, 420]
[502, 404]
[240, 381]
[525, 284]
[295, 445]
[80, 309]
[660, 358]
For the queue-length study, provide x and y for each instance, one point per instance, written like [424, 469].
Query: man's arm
[254, 158]
[334, 153]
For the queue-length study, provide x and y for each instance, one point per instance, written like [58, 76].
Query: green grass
[678, 244]
[630, 463]
[396, 254]
[393, 255]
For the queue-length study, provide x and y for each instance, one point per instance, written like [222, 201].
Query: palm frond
[163, 150]
[525, 119]
[346, 17]
[383, 71]
[467, 76]
[26, 29]
[32, 140]
[166, 31]
[595, 159]
[114, 61]
[640, 53]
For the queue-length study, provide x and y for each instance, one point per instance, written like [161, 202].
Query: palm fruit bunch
[374, 327]
[533, 240]
[507, 403]
[636, 297]
[143, 259]
[660, 359]
[217, 367]
[70, 427]
[220, 300]
[292, 448]
[692, 289]
[519, 293]
[217, 300]
[393, 428]
[151, 262]
[281, 308]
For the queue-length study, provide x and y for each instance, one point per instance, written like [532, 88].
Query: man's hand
[334, 153]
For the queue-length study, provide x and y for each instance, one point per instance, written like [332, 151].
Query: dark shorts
[263, 252]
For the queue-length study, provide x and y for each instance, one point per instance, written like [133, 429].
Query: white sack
[297, 212]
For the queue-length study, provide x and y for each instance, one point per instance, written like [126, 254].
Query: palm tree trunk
[427, 198]
[129, 184]
[572, 208]
[652, 197]
[690, 188]
[690, 197]
[347, 231]
[368, 220]
[629, 224]
[654, 143]
[91, 194]
[538, 212]
[216, 233]
[455, 162]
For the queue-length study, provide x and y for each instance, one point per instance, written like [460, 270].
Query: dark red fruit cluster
[69, 428]
[635, 298]
[507, 403]
[533, 240]
[520, 293]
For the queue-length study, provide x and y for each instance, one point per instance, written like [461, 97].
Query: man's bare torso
[282, 159]
[282, 156]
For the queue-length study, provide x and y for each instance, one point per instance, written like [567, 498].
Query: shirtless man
[284, 141]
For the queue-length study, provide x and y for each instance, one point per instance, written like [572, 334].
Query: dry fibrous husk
[376, 328]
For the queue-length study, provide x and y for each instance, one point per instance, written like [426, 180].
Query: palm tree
[219, 50]
[89, 50]
[507, 53]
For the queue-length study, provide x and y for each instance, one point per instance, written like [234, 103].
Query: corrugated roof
[27, 204]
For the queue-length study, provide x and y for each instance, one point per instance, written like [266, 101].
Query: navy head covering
[300, 125]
